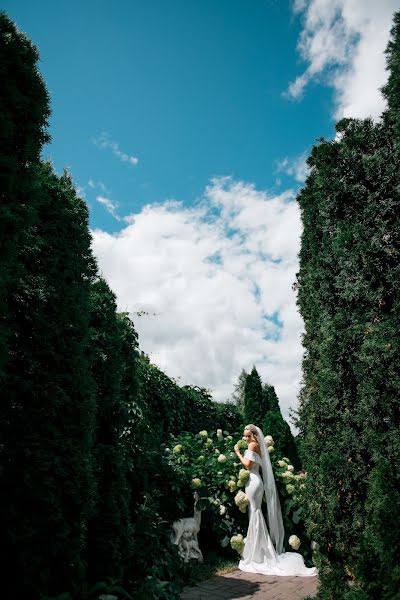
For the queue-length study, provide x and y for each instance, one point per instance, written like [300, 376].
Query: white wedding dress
[259, 555]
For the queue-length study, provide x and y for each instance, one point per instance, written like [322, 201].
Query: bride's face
[248, 435]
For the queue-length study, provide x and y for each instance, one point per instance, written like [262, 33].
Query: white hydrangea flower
[177, 449]
[290, 468]
[222, 458]
[219, 434]
[241, 501]
[282, 463]
[286, 459]
[232, 485]
[294, 542]
[269, 440]
[216, 451]
[222, 510]
[271, 449]
[237, 543]
[244, 474]
[203, 433]
[290, 488]
[196, 483]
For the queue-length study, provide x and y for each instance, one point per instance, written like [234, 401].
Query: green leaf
[296, 515]
[225, 541]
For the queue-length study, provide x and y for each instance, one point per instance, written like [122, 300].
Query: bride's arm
[245, 461]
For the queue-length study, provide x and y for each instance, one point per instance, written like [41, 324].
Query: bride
[263, 551]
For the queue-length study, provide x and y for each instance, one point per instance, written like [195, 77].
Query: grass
[213, 565]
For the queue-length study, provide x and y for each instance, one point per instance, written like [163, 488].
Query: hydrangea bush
[206, 462]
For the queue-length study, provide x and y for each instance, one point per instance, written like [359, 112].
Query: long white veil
[275, 523]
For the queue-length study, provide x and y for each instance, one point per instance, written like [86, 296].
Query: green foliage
[238, 393]
[261, 407]
[227, 416]
[274, 424]
[391, 89]
[270, 398]
[156, 568]
[24, 113]
[380, 544]
[48, 400]
[205, 462]
[109, 532]
[171, 409]
[255, 402]
[201, 412]
[349, 299]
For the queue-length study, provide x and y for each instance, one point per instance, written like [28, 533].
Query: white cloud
[295, 167]
[80, 190]
[343, 42]
[216, 276]
[103, 141]
[110, 206]
[98, 184]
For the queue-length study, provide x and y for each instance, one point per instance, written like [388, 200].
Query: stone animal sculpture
[185, 532]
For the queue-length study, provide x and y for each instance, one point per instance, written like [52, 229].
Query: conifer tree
[349, 298]
[391, 90]
[255, 403]
[271, 399]
[274, 424]
[238, 393]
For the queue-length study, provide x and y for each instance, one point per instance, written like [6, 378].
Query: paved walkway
[248, 586]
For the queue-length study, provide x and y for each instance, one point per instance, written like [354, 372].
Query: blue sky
[185, 125]
[193, 89]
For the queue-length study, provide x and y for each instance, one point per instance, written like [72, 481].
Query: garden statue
[185, 534]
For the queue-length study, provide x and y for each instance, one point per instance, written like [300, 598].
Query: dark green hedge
[349, 299]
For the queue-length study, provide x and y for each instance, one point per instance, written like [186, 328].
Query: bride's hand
[236, 448]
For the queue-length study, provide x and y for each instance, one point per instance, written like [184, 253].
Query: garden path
[249, 586]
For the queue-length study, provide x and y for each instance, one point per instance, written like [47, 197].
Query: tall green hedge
[48, 402]
[109, 544]
[24, 112]
[171, 409]
[349, 299]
